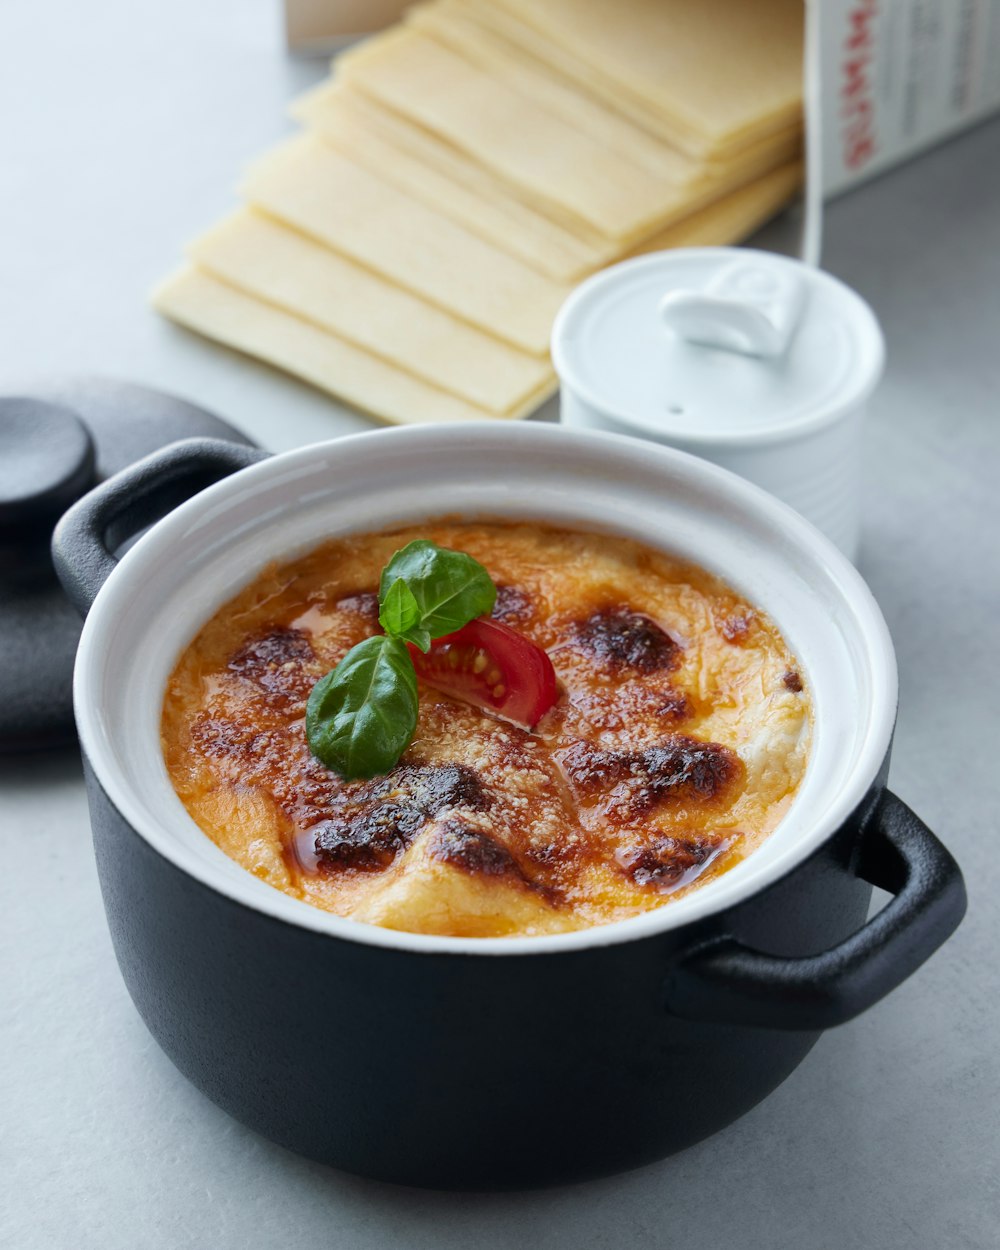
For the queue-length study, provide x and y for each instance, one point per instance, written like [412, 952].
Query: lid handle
[748, 307]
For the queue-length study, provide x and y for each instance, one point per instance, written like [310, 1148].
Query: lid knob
[747, 307]
[46, 463]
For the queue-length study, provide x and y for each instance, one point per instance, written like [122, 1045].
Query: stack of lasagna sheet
[459, 173]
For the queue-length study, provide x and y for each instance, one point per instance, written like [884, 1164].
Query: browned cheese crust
[678, 741]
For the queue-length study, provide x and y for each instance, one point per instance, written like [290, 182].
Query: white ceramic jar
[755, 361]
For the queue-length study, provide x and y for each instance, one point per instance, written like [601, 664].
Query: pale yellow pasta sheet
[204, 303]
[711, 75]
[733, 217]
[452, 24]
[280, 265]
[317, 189]
[572, 175]
[725, 69]
[422, 166]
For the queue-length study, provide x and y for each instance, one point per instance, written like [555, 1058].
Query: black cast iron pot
[501, 1062]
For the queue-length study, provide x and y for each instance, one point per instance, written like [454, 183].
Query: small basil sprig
[361, 716]
[427, 591]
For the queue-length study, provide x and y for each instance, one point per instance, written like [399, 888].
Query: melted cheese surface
[678, 741]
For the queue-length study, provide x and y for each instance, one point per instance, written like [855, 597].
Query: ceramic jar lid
[726, 352]
[723, 342]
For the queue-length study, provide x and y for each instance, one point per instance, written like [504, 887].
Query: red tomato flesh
[490, 665]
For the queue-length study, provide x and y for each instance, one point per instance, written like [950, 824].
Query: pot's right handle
[728, 983]
[96, 525]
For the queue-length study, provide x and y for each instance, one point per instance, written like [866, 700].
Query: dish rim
[718, 895]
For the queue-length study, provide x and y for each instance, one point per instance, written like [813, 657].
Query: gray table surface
[122, 128]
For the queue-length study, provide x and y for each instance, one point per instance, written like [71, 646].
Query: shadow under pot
[499, 1062]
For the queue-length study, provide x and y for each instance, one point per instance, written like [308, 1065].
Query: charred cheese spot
[432, 788]
[735, 628]
[363, 603]
[620, 638]
[512, 606]
[277, 662]
[678, 741]
[378, 819]
[668, 863]
[472, 850]
[243, 745]
[674, 770]
[553, 855]
[368, 838]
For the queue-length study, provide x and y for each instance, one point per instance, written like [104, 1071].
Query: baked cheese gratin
[677, 742]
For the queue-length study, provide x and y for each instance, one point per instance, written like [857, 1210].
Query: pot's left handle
[96, 525]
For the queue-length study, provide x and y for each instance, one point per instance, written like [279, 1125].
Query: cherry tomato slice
[490, 665]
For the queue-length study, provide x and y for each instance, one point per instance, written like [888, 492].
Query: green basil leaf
[400, 615]
[397, 617]
[449, 587]
[419, 637]
[361, 716]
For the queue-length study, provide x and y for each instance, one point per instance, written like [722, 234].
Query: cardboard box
[890, 78]
[324, 25]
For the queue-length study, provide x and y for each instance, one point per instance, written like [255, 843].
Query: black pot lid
[57, 440]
